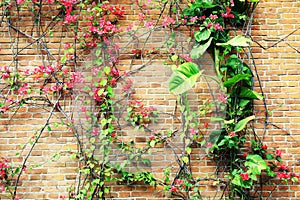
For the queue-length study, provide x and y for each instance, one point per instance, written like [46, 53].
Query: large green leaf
[204, 4]
[255, 165]
[200, 49]
[248, 93]
[239, 40]
[202, 34]
[184, 78]
[242, 124]
[237, 78]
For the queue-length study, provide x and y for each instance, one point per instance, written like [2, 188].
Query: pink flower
[187, 58]
[209, 25]
[222, 97]
[231, 3]
[227, 14]
[93, 29]
[20, 1]
[209, 145]
[193, 132]
[173, 189]
[151, 137]
[244, 176]
[141, 17]
[95, 131]
[149, 24]
[232, 134]
[213, 16]
[67, 46]
[283, 168]
[23, 90]
[193, 19]
[2, 189]
[217, 26]
[115, 72]
[168, 21]
[5, 75]
[129, 27]
[278, 153]
[70, 18]
[179, 182]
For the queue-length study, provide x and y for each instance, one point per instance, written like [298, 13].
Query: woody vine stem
[83, 91]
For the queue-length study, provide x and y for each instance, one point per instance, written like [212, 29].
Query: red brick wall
[276, 51]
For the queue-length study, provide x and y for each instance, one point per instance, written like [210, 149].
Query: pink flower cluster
[6, 73]
[227, 14]
[167, 21]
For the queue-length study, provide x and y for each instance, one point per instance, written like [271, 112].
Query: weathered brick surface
[276, 28]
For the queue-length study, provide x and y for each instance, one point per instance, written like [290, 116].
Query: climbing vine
[103, 94]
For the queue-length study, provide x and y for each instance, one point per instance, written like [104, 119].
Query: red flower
[244, 176]
[152, 137]
[232, 134]
[173, 189]
[2, 173]
[278, 153]
[264, 146]
[206, 125]
[283, 168]
[179, 182]
[282, 175]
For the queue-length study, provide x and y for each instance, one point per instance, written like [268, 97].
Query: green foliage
[242, 123]
[237, 41]
[184, 78]
[199, 49]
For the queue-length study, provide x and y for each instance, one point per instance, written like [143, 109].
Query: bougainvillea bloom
[264, 146]
[244, 176]
[278, 153]
[173, 189]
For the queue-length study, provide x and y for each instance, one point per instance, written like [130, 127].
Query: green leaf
[200, 49]
[237, 180]
[216, 119]
[174, 58]
[146, 161]
[248, 93]
[188, 150]
[63, 59]
[239, 40]
[205, 4]
[152, 143]
[55, 124]
[184, 78]
[100, 91]
[243, 102]
[98, 52]
[103, 82]
[255, 165]
[185, 159]
[237, 78]
[202, 34]
[106, 70]
[242, 124]
[269, 156]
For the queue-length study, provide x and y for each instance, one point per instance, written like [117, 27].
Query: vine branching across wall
[75, 77]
